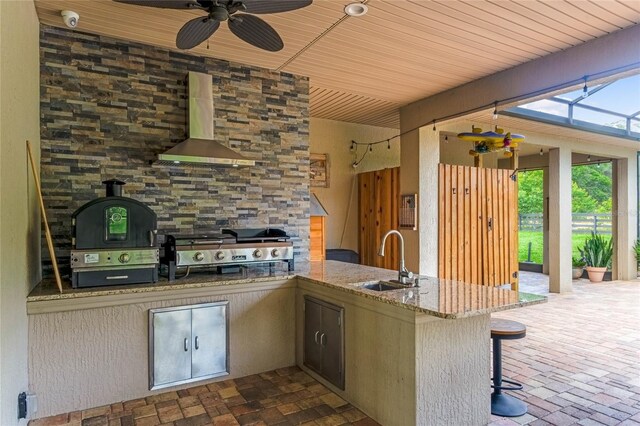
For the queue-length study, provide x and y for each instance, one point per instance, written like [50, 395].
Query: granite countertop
[436, 297]
[433, 296]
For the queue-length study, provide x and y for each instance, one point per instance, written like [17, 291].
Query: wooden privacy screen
[317, 243]
[478, 236]
[378, 203]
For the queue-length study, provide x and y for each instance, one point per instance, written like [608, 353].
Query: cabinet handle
[186, 344]
[315, 337]
[322, 341]
[197, 342]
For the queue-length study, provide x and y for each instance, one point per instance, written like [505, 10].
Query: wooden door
[378, 203]
[478, 236]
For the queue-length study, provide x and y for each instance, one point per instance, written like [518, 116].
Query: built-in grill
[114, 241]
[231, 247]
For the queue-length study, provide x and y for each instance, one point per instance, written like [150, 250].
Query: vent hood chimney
[200, 148]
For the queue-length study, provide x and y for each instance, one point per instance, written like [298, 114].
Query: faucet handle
[405, 276]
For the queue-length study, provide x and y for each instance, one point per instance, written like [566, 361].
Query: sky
[622, 96]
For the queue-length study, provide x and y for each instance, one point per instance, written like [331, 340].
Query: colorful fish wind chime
[491, 141]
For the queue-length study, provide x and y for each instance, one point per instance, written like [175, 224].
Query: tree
[530, 196]
[595, 179]
[581, 201]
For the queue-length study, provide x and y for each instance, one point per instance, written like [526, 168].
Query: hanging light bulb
[495, 111]
[541, 152]
[388, 144]
[585, 89]
[353, 145]
[434, 125]
[446, 139]
[370, 148]
[589, 157]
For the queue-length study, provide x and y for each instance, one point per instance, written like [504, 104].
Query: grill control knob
[257, 254]
[275, 252]
[219, 255]
[199, 257]
[124, 258]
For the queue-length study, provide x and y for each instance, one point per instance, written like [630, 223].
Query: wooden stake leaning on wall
[47, 232]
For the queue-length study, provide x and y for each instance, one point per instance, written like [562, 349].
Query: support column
[625, 213]
[419, 158]
[545, 220]
[560, 220]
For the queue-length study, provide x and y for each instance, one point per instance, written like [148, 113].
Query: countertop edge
[105, 296]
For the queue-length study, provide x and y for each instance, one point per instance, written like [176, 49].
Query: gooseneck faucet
[404, 276]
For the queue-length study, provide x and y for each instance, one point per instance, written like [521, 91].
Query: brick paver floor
[579, 364]
[580, 360]
[287, 396]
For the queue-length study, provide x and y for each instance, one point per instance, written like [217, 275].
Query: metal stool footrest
[516, 385]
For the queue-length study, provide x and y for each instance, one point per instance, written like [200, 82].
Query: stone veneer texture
[108, 107]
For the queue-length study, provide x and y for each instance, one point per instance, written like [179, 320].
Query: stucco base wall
[453, 367]
[88, 358]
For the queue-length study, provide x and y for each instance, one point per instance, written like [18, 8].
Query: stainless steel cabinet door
[171, 346]
[331, 341]
[209, 342]
[312, 331]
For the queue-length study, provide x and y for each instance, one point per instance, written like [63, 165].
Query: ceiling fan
[249, 28]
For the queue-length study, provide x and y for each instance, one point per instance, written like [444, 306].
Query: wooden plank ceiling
[363, 69]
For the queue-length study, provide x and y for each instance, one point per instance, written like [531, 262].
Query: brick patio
[580, 360]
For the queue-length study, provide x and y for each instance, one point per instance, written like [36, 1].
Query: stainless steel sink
[383, 286]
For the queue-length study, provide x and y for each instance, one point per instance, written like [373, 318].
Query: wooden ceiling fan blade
[256, 32]
[195, 32]
[165, 4]
[274, 6]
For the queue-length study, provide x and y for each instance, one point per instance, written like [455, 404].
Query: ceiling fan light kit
[245, 26]
[356, 9]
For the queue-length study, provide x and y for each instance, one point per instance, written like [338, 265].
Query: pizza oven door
[112, 222]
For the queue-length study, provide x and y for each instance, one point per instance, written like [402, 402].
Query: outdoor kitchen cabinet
[188, 343]
[324, 339]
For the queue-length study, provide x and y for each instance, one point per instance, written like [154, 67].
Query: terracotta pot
[596, 274]
[576, 273]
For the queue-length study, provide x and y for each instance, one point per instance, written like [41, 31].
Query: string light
[388, 144]
[446, 139]
[495, 110]
[519, 97]
[370, 148]
[541, 152]
[353, 145]
[589, 157]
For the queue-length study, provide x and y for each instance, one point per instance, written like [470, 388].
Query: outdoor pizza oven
[114, 241]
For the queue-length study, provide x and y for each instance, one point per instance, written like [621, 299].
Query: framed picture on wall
[408, 211]
[319, 170]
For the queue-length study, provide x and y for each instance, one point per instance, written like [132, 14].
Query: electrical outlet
[32, 405]
[27, 405]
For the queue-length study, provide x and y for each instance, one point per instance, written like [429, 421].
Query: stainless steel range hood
[200, 148]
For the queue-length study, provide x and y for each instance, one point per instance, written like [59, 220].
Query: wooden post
[514, 160]
[477, 161]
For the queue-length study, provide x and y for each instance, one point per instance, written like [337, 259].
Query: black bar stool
[501, 404]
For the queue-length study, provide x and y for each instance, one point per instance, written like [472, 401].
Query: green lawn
[536, 245]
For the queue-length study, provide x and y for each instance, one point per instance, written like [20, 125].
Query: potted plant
[597, 253]
[578, 267]
[636, 250]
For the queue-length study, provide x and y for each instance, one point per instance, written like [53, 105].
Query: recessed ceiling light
[356, 9]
